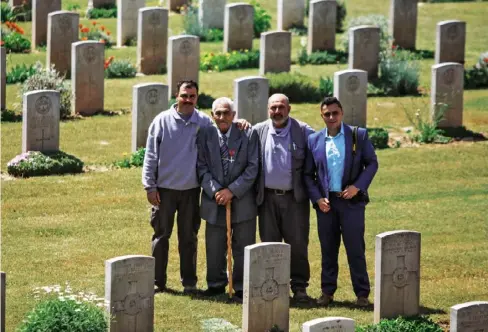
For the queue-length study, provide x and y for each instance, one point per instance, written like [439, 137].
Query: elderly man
[283, 207]
[340, 166]
[170, 179]
[228, 164]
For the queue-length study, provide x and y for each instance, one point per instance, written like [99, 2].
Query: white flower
[303, 41]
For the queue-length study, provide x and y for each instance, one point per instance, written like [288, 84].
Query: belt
[335, 193]
[279, 192]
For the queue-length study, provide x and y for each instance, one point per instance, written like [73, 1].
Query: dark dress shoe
[214, 291]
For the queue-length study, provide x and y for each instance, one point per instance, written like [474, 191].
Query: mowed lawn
[62, 228]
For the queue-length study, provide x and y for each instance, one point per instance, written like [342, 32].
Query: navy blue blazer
[364, 166]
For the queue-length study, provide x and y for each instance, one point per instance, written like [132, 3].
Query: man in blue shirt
[337, 176]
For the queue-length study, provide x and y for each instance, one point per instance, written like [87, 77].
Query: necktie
[224, 153]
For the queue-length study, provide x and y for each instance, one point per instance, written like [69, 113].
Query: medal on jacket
[231, 154]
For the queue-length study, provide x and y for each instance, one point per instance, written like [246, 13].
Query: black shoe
[190, 290]
[214, 291]
[238, 296]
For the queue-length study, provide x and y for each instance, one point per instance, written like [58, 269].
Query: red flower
[102, 28]
[485, 60]
[85, 30]
[94, 23]
[232, 153]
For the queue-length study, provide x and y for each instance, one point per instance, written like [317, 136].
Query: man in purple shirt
[283, 207]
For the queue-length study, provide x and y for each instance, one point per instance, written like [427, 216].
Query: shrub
[297, 87]
[377, 20]
[96, 32]
[136, 159]
[191, 26]
[120, 69]
[10, 116]
[49, 79]
[262, 19]
[13, 39]
[72, 7]
[229, 60]
[204, 101]
[399, 73]
[35, 163]
[413, 324]
[340, 15]
[298, 30]
[326, 87]
[379, 137]
[20, 73]
[22, 12]
[477, 76]
[321, 57]
[6, 12]
[108, 11]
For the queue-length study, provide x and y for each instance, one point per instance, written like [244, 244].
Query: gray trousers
[281, 217]
[243, 234]
[186, 202]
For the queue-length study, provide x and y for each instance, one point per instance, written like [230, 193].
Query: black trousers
[186, 202]
[281, 217]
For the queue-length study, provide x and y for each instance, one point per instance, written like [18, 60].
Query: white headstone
[351, 88]
[3, 295]
[129, 293]
[62, 31]
[238, 27]
[87, 76]
[183, 60]
[397, 274]
[3, 69]
[364, 49]
[40, 10]
[329, 324]
[275, 52]
[40, 121]
[291, 13]
[447, 92]
[469, 317]
[450, 41]
[211, 13]
[266, 286]
[322, 25]
[251, 98]
[152, 40]
[148, 100]
[127, 12]
[403, 22]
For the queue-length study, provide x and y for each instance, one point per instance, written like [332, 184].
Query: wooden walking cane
[229, 247]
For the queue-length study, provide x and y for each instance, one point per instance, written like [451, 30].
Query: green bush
[321, 57]
[379, 137]
[477, 76]
[136, 159]
[376, 20]
[109, 11]
[399, 73]
[6, 12]
[298, 30]
[120, 69]
[21, 72]
[229, 60]
[10, 116]
[426, 128]
[298, 88]
[49, 79]
[35, 163]
[262, 19]
[340, 15]
[413, 324]
[15, 42]
[204, 101]
[326, 87]
[191, 26]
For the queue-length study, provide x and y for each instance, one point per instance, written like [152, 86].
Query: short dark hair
[329, 101]
[188, 83]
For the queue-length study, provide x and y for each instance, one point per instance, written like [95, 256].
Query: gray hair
[281, 96]
[223, 101]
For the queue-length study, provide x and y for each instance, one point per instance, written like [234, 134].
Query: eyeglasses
[185, 96]
[329, 114]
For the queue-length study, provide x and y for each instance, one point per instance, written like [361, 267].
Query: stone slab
[211, 13]
[450, 41]
[329, 324]
[152, 40]
[351, 88]
[403, 22]
[290, 13]
[322, 25]
[469, 317]
[447, 91]
[238, 27]
[62, 31]
[127, 15]
[40, 11]
[183, 60]
[251, 95]
[364, 49]
[275, 52]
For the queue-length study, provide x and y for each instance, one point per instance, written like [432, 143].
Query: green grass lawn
[63, 228]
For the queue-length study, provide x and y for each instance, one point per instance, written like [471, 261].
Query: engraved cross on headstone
[42, 139]
[132, 305]
[401, 277]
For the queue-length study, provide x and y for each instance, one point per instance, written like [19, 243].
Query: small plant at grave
[6, 13]
[299, 88]
[136, 159]
[13, 38]
[477, 76]
[218, 325]
[96, 32]
[73, 7]
[119, 68]
[298, 30]
[376, 20]
[262, 19]
[320, 57]
[192, 26]
[326, 87]
[129, 42]
[275, 328]
[229, 60]
[21, 72]
[35, 163]
[379, 137]
[411, 324]
[340, 14]
[107, 11]
[204, 101]
[49, 79]
[10, 116]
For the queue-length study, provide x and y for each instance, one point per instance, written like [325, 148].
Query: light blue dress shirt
[277, 158]
[335, 150]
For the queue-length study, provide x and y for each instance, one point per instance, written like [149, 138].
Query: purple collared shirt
[171, 152]
[277, 158]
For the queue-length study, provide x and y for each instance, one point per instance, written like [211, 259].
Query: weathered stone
[127, 12]
[397, 274]
[351, 88]
[40, 121]
[175, 5]
[3, 295]
[251, 98]
[469, 317]
[403, 22]
[152, 40]
[447, 93]
[329, 324]
[322, 25]
[291, 13]
[148, 100]
[275, 52]
[62, 31]
[129, 293]
[3, 70]
[211, 13]
[100, 3]
[238, 27]
[40, 11]
[266, 286]
[364, 49]
[450, 41]
[87, 76]
[183, 60]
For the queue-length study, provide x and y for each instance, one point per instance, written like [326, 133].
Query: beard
[279, 120]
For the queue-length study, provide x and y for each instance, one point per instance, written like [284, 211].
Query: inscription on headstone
[127, 14]
[329, 324]
[3, 70]
[266, 286]
[351, 88]
[129, 293]
[447, 93]
[403, 22]
[183, 60]
[152, 39]
[364, 48]
[62, 31]
[211, 13]
[238, 27]
[470, 317]
[251, 98]
[322, 25]
[291, 13]
[275, 52]
[40, 11]
[40, 121]
[450, 42]
[397, 274]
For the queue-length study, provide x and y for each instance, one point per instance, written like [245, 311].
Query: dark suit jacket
[240, 177]
[364, 166]
[299, 132]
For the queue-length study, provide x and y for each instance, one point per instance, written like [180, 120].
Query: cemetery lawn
[62, 228]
